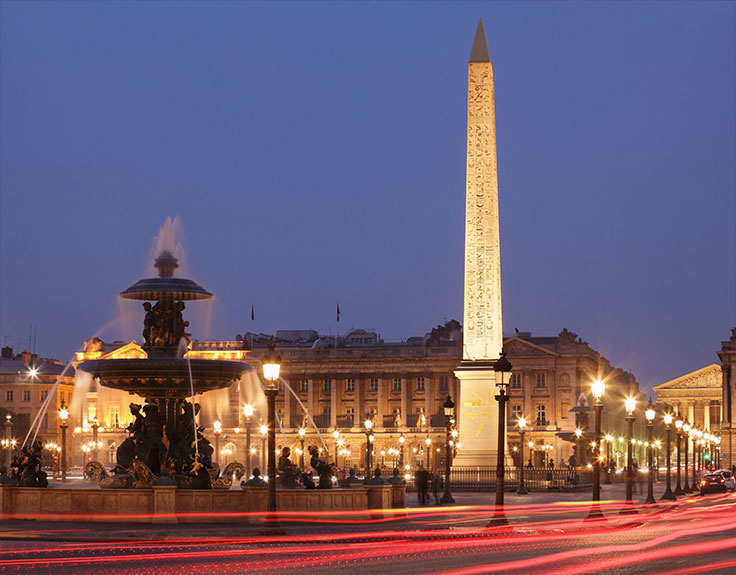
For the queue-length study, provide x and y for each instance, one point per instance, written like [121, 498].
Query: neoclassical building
[333, 384]
[695, 396]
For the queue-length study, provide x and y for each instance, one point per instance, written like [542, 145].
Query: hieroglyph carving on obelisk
[482, 333]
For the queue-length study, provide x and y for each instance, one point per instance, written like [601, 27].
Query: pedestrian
[421, 479]
[436, 486]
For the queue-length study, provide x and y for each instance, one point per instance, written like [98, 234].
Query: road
[693, 535]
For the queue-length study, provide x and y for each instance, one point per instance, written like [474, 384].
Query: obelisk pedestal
[482, 326]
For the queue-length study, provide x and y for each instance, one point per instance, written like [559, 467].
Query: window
[115, 415]
[443, 383]
[9, 395]
[46, 420]
[26, 395]
[420, 384]
[541, 414]
[541, 380]
[516, 380]
[305, 385]
[327, 410]
[350, 385]
[350, 412]
[516, 413]
[44, 395]
[715, 414]
[373, 384]
[328, 386]
[396, 386]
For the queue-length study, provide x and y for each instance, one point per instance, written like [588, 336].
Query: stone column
[405, 403]
[706, 415]
[428, 399]
[333, 401]
[310, 397]
[382, 383]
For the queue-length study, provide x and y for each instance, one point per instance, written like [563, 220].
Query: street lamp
[668, 494]
[217, 425]
[598, 388]
[678, 432]
[302, 433]
[630, 405]
[8, 442]
[578, 435]
[686, 436]
[521, 490]
[368, 424]
[402, 439]
[247, 414]
[63, 422]
[271, 370]
[650, 413]
[502, 372]
[449, 407]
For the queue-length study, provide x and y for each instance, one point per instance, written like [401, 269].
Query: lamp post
[686, 436]
[521, 490]
[247, 414]
[7, 443]
[578, 435]
[502, 372]
[217, 425]
[264, 434]
[598, 388]
[650, 413]
[449, 407]
[678, 433]
[336, 437]
[668, 494]
[271, 369]
[368, 424]
[402, 439]
[428, 451]
[609, 442]
[630, 405]
[63, 422]
[302, 433]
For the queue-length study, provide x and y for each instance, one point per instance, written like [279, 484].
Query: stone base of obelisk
[477, 415]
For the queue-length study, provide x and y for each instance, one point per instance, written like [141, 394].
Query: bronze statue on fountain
[164, 443]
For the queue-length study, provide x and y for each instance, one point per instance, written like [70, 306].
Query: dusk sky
[315, 153]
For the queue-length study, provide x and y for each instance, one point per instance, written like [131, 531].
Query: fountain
[165, 442]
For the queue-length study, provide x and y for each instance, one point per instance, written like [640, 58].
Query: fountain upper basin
[165, 376]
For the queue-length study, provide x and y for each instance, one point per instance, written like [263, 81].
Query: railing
[535, 479]
[345, 421]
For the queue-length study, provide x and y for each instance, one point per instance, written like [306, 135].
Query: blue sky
[315, 152]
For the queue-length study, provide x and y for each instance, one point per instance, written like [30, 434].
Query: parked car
[730, 479]
[712, 483]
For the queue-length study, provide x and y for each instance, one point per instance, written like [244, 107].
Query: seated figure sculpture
[324, 469]
[287, 475]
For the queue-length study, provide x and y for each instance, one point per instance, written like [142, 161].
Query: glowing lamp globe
[650, 412]
[630, 405]
[598, 388]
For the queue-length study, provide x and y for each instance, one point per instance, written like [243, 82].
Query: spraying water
[183, 343]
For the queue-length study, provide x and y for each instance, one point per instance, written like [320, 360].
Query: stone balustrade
[166, 504]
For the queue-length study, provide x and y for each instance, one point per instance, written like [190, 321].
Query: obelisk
[482, 333]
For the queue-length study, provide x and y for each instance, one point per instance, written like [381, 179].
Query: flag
[252, 313]
[338, 311]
